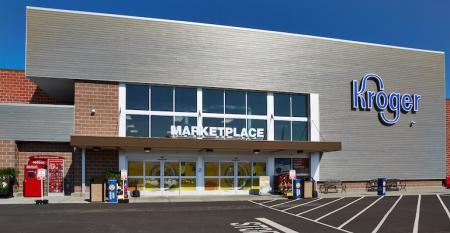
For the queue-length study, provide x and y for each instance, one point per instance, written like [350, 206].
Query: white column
[122, 115]
[315, 134]
[270, 122]
[270, 170]
[200, 174]
[315, 165]
[83, 170]
[123, 160]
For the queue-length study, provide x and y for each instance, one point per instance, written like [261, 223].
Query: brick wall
[16, 88]
[27, 149]
[104, 98]
[7, 153]
[447, 137]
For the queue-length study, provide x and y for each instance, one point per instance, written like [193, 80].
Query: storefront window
[135, 168]
[171, 184]
[188, 169]
[152, 168]
[188, 183]
[299, 131]
[227, 183]
[256, 103]
[300, 106]
[282, 104]
[162, 98]
[137, 125]
[136, 97]
[282, 165]
[234, 102]
[238, 124]
[258, 124]
[161, 126]
[134, 183]
[185, 121]
[227, 169]
[300, 165]
[211, 168]
[185, 99]
[244, 183]
[171, 169]
[212, 122]
[213, 101]
[211, 184]
[153, 184]
[244, 169]
[282, 130]
[259, 168]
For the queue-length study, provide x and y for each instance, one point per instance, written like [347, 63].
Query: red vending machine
[54, 184]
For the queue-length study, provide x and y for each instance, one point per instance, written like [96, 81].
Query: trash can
[112, 191]
[97, 193]
[297, 192]
[381, 190]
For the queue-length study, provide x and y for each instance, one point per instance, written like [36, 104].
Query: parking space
[413, 213]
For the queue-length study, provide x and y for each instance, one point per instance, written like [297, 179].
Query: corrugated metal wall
[36, 122]
[96, 47]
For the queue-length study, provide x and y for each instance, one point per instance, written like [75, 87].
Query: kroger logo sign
[395, 103]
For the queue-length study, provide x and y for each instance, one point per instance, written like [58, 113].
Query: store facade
[197, 109]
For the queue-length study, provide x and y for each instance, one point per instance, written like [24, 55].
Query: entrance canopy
[202, 144]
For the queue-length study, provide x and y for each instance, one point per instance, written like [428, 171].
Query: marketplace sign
[394, 102]
[217, 132]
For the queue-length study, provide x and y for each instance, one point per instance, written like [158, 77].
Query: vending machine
[54, 185]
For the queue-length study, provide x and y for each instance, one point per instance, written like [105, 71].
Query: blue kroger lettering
[394, 102]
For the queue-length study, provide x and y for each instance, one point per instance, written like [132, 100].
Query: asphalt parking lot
[412, 213]
[349, 214]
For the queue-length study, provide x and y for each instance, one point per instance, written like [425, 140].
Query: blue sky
[417, 24]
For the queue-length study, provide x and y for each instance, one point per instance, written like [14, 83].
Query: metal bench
[371, 185]
[335, 185]
[395, 185]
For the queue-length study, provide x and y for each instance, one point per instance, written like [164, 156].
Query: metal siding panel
[94, 47]
[36, 122]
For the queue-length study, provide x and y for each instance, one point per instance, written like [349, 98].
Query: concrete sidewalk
[218, 198]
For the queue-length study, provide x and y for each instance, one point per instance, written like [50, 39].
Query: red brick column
[104, 98]
[447, 136]
[7, 153]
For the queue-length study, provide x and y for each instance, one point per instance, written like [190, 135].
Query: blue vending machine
[381, 190]
[112, 191]
[297, 189]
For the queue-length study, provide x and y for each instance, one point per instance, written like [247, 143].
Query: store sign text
[216, 132]
[394, 102]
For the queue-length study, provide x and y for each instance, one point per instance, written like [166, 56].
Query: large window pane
[257, 124]
[171, 184]
[212, 122]
[227, 169]
[256, 103]
[299, 106]
[187, 169]
[185, 99]
[185, 121]
[211, 183]
[283, 130]
[188, 183]
[299, 131]
[153, 184]
[234, 102]
[137, 126]
[244, 169]
[213, 101]
[161, 126]
[244, 183]
[211, 168]
[227, 183]
[171, 169]
[135, 168]
[134, 183]
[282, 165]
[300, 165]
[162, 98]
[152, 168]
[282, 105]
[137, 97]
[236, 124]
[259, 168]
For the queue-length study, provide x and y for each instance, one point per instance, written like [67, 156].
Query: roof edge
[231, 27]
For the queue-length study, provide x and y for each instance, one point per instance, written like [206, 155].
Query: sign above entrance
[394, 103]
[217, 132]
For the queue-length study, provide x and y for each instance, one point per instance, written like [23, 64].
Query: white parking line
[386, 215]
[302, 204]
[416, 220]
[276, 225]
[283, 203]
[264, 202]
[336, 210]
[360, 212]
[321, 223]
[443, 205]
[306, 211]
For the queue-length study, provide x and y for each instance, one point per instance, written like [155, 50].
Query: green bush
[111, 175]
[9, 171]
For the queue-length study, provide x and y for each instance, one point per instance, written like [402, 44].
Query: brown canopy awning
[199, 144]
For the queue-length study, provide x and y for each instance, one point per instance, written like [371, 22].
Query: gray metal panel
[35, 122]
[98, 47]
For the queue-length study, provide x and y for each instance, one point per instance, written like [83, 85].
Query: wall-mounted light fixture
[96, 148]
[209, 150]
[412, 123]
[92, 111]
[300, 152]
[162, 158]
[256, 152]
[147, 149]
